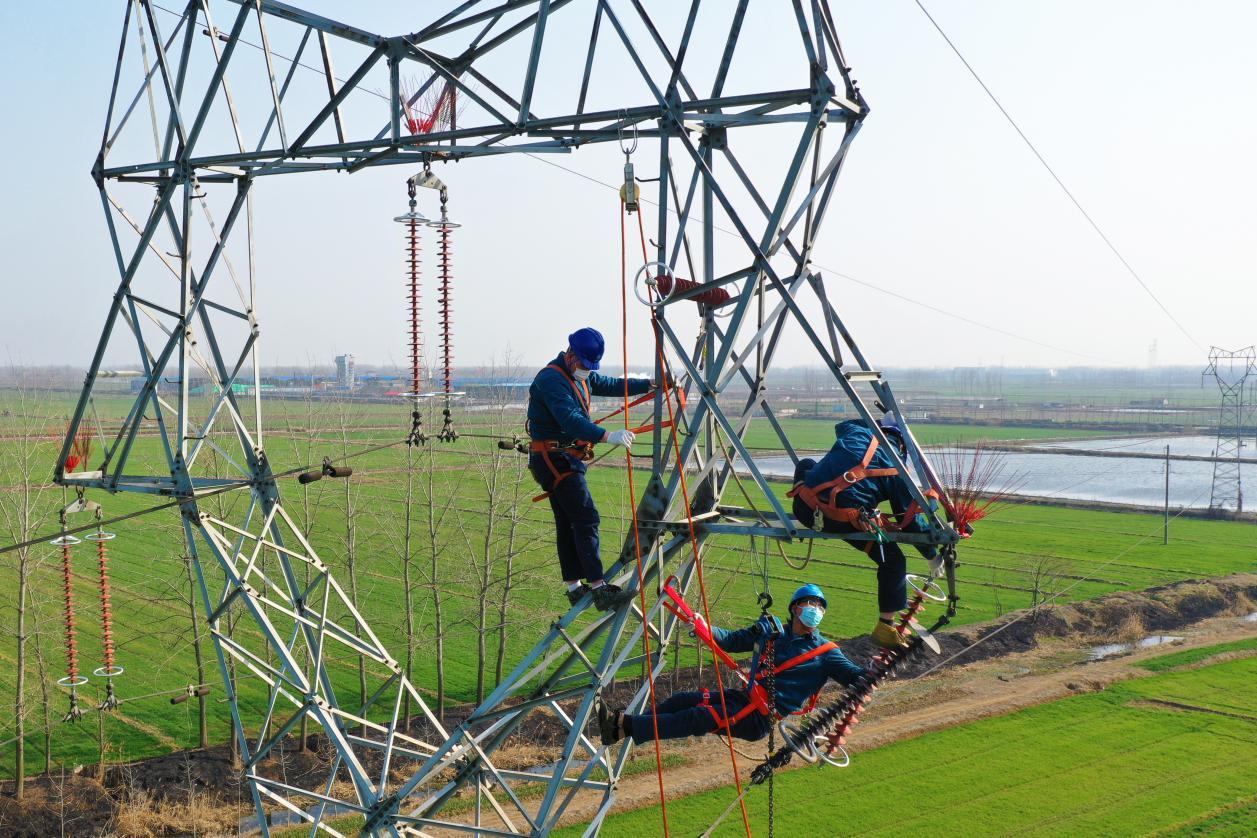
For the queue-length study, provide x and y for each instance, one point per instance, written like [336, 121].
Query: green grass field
[1060, 547]
[1109, 763]
[1189, 657]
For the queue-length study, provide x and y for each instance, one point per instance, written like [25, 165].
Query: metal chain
[769, 659]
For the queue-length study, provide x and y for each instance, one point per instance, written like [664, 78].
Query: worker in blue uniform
[802, 662]
[841, 494]
[562, 440]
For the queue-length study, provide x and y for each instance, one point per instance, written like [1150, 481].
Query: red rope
[637, 545]
[689, 518]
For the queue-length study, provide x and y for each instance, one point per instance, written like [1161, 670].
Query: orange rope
[637, 545]
[689, 518]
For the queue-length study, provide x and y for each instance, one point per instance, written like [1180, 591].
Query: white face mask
[580, 374]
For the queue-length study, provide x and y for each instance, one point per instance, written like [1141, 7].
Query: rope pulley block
[630, 192]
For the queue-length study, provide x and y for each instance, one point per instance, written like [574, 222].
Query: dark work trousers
[681, 715]
[575, 516]
[892, 565]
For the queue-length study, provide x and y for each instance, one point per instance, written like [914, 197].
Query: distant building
[345, 371]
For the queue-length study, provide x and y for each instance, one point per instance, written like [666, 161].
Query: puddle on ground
[1251, 618]
[1109, 650]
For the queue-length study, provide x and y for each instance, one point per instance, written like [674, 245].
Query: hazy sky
[1143, 108]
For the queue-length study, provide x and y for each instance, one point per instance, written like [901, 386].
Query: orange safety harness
[581, 449]
[755, 690]
[860, 518]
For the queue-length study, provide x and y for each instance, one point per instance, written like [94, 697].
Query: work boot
[608, 723]
[609, 597]
[887, 637]
[575, 595]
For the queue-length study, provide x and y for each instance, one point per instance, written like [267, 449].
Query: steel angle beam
[186, 310]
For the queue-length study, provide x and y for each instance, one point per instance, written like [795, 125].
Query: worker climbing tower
[1231, 370]
[183, 151]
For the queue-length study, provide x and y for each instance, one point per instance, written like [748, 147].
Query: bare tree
[1045, 577]
[438, 504]
[350, 542]
[45, 695]
[198, 654]
[26, 508]
[304, 441]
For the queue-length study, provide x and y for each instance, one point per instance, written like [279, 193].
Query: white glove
[622, 437]
[698, 621]
[936, 566]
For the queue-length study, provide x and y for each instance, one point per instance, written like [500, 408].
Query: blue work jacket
[799, 683]
[556, 413]
[852, 440]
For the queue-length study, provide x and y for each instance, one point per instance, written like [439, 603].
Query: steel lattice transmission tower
[199, 116]
[1231, 370]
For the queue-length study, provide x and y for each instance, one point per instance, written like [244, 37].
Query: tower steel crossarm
[288, 638]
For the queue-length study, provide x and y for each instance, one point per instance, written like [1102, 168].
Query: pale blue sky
[1143, 108]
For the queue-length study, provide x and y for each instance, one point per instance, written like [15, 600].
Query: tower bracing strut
[208, 102]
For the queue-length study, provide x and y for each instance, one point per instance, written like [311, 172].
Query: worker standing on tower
[563, 437]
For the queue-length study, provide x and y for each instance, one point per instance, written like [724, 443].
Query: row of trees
[436, 534]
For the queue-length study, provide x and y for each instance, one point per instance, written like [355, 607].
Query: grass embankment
[152, 623]
[1108, 763]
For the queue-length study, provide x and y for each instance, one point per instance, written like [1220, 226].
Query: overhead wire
[197, 497]
[878, 288]
[1052, 172]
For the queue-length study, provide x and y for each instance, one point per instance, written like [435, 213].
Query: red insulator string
[72, 679]
[67, 587]
[689, 518]
[106, 613]
[446, 300]
[107, 670]
[637, 544]
[416, 343]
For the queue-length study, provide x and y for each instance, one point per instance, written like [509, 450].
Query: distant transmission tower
[1231, 370]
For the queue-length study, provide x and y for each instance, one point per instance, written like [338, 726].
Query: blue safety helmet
[809, 590]
[888, 422]
[587, 344]
[890, 426]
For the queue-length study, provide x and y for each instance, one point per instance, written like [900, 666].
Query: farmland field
[1082, 553]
